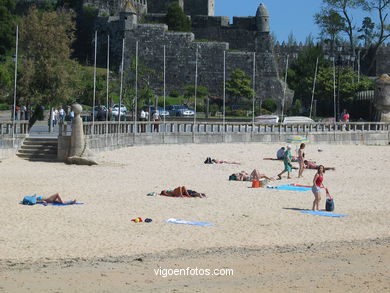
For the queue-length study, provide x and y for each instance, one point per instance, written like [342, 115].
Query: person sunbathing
[256, 175]
[215, 161]
[182, 191]
[55, 198]
[313, 165]
[244, 176]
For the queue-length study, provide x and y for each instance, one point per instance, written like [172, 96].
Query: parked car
[267, 119]
[297, 119]
[160, 110]
[97, 108]
[180, 110]
[115, 110]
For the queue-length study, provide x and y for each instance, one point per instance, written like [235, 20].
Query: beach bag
[29, 200]
[232, 177]
[329, 204]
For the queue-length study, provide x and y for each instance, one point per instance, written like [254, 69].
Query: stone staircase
[39, 149]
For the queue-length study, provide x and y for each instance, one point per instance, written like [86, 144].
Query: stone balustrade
[127, 127]
[19, 128]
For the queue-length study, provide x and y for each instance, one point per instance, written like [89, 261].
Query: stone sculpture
[79, 153]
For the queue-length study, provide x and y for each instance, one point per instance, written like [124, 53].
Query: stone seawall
[9, 147]
[100, 143]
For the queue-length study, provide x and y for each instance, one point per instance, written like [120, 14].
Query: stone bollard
[382, 97]
[79, 153]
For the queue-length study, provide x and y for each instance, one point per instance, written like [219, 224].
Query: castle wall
[383, 61]
[180, 57]
[199, 7]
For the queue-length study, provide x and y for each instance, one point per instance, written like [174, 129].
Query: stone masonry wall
[181, 55]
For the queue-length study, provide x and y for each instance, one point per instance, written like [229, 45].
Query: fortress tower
[262, 19]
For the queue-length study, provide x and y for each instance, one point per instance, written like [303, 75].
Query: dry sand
[115, 192]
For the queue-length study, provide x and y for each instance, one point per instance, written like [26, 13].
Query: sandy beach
[91, 235]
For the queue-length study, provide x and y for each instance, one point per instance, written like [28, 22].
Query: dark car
[179, 110]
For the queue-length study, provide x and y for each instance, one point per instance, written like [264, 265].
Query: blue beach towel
[290, 187]
[61, 204]
[325, 214]
[178, 221]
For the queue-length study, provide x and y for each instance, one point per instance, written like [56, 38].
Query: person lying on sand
[256, 175]
[313, 165]
[182, 191]
[244, 176]
[55, 198]
[215, 161]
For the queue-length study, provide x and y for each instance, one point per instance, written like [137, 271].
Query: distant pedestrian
[142, 118]
[301, 158]
[156, 117]
[61, 113]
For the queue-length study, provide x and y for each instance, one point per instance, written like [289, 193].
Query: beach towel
[290, 187]
[61, 204]
[179, 221]
[324, 214]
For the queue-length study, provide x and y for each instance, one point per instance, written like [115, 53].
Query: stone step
[38, 151]
[38, 143]
[42, 139]
[50, 157]
[33, 147]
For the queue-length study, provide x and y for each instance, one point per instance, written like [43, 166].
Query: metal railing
[131, 127]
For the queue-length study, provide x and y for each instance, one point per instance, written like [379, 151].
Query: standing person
[346, 117]
[287, 163]
[156, 117]
[317, 184]
[23, 113]
[301, 157]
[71, 116]
[142, 117]
[61, 113]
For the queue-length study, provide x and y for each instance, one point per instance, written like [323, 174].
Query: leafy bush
[236, 113]
[269, 105]
[4, 107]
[174, 93]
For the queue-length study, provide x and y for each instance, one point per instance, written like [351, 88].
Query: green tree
[6, 81]
[331, 24]
[47, 73]
[176, 19]
[345, 8]
[382, 32]
[239, 86]
[7, 25]
[367, 31]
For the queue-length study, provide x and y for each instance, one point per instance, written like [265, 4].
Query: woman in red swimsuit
[317, 184]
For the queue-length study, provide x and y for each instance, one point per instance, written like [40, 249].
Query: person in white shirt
[142, 117]
[156, 117]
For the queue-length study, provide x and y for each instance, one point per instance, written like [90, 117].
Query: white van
[297, 119]
[266, 119]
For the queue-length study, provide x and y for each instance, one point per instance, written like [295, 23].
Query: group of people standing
[318, 177]
[60, 115]
[22, 112]
[144, 116]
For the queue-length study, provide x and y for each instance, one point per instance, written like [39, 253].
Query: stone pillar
[382, 97]
[77, 141]
[78, 153]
